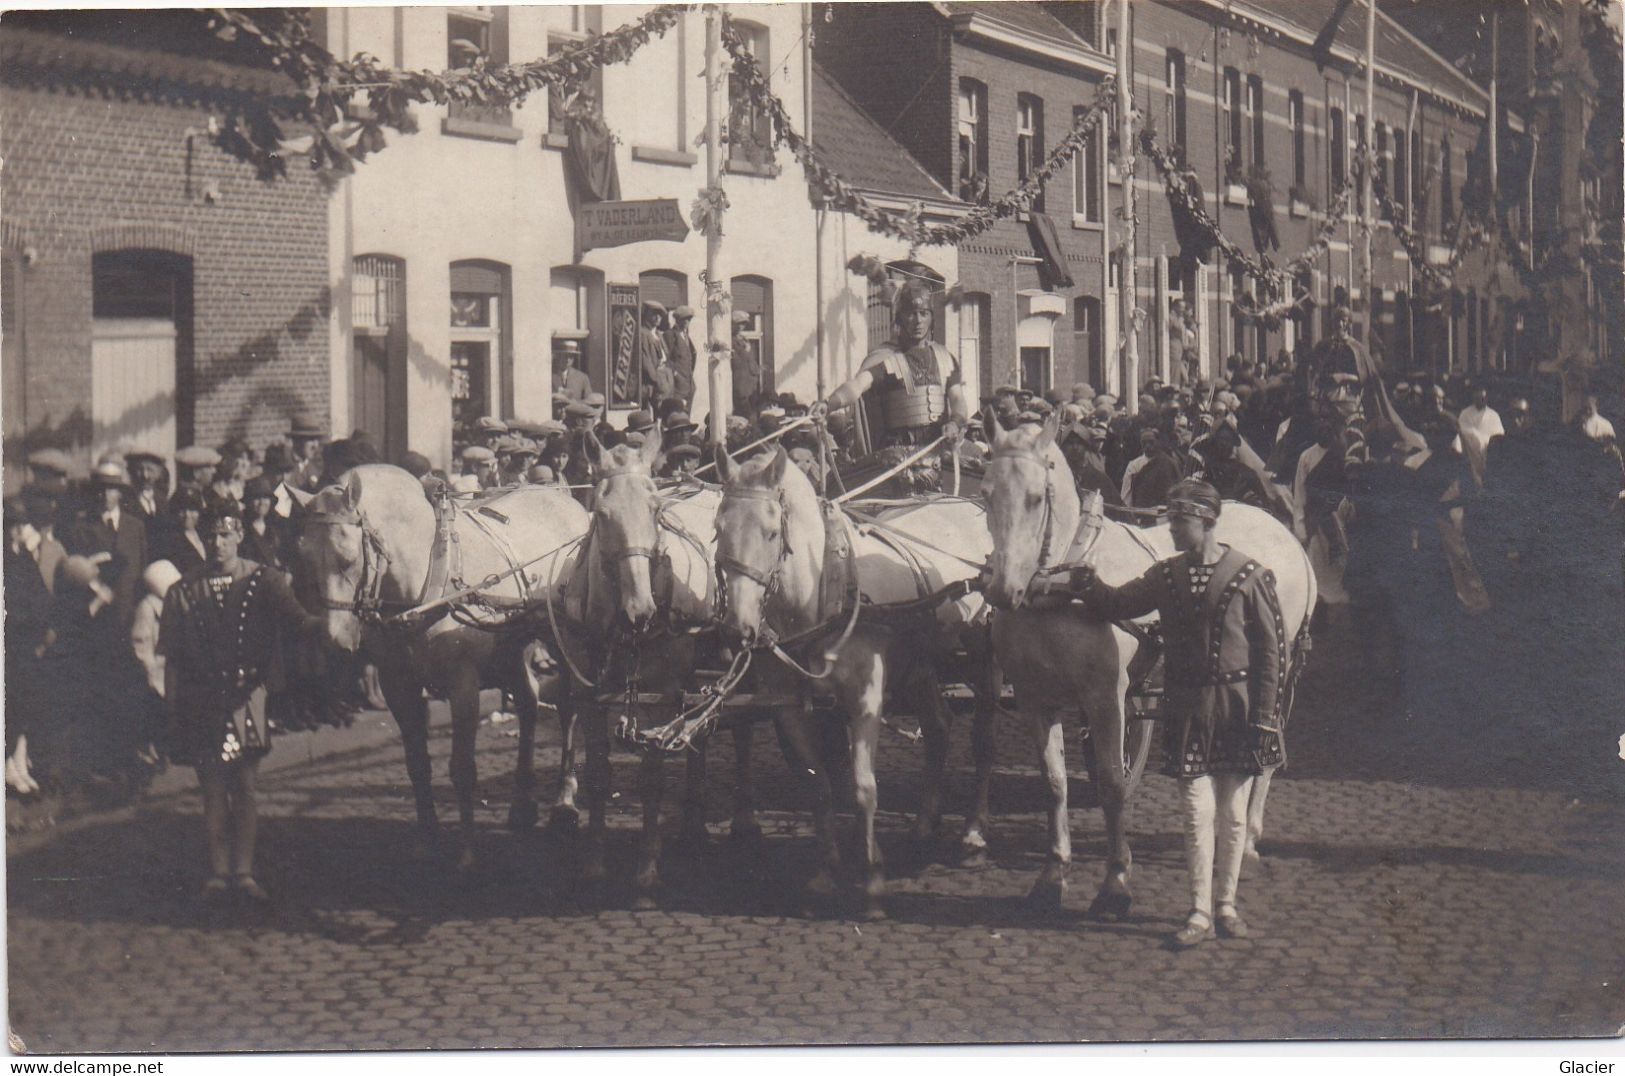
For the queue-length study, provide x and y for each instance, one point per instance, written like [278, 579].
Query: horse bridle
[1048, 521]
[367, 601]
[651, 553]
[768, 580]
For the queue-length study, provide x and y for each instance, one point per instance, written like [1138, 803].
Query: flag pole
[1369, 166]
[1126, 168]
[715, 329]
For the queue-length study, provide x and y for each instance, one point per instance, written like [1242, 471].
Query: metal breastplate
[903, 409]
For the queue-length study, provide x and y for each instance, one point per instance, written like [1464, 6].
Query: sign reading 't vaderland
[614, 224]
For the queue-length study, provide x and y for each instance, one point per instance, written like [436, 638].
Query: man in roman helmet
[914, 383]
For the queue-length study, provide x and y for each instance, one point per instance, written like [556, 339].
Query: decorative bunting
[344, 106]
[833, 190]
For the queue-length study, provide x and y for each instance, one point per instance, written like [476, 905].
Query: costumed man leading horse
[915, 389]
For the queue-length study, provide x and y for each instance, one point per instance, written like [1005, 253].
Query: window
[1418, 209]
[1339, 147]
[1111, 42]
[1233, 166]
[481, 341]
[975, 338]
[1238, 321]
[750, 132]
[473, 33]
[1030, 142]
[1174, 102]
[1087, 168]
[667, 287]
[1255, 113]
[576, 306]
[1300, 159]
[1087, 342]
[1400, 192]
[13, 373]
[583, 19]
[1447, 188]
[1382, 161]
[754, 296]
[973, 181]
[378, 321]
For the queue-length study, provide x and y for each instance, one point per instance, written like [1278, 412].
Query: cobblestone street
[1418, 882]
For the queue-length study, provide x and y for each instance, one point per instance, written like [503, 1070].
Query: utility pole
[716, 328]
[1368, 143]
[1125, 276]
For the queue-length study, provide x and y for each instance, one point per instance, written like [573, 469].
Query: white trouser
[1215, 809]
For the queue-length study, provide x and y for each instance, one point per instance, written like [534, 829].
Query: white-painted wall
[433, 198]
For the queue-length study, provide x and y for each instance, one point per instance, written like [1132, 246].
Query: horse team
[606, 612]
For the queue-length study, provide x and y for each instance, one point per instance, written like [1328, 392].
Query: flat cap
[579, 409]
[684, 311]
[478, 454]
[50, 459]
[197, 456]
[488, 424]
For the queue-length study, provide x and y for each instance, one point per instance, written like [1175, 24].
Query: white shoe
[502, 717]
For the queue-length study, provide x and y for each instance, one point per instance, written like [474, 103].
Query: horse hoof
[1110, 906]
[645, 901]
[1046, 895]
[466, 861]
[821, 886]
[873, 910]
[563, 817]
[522, 815]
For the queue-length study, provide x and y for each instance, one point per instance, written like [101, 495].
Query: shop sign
[624, 376]
[614, 224]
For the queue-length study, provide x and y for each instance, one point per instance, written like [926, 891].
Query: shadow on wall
[253, 356]
[805, 356]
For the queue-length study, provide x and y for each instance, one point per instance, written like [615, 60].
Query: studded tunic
[219, 633]
[1225, 658]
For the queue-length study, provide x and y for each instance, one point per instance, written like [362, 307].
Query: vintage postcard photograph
[769, 524]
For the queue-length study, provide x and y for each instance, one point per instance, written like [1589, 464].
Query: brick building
[979, 90]
[156, 292]
[1235, 86]
[1557, 64]
[979, 94]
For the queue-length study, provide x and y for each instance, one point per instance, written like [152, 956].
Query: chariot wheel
[1140, 710]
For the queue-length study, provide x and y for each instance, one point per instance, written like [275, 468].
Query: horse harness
[367, 602]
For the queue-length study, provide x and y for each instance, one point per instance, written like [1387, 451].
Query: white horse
[1059, 659]
[639, 592]
[372, 545]
[772, 544]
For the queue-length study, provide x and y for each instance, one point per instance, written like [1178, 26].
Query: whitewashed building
[455, 262]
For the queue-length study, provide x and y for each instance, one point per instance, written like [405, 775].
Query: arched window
[754, 296]
[378, 327]
[481, 341]
[576, 311]
[667, 287]
[143, 391]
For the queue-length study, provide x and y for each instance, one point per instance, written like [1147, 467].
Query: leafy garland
[345, 106]
[1277, 283]
[830, 187]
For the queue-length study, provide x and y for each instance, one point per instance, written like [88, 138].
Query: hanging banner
[623, 345]
[614, 224]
